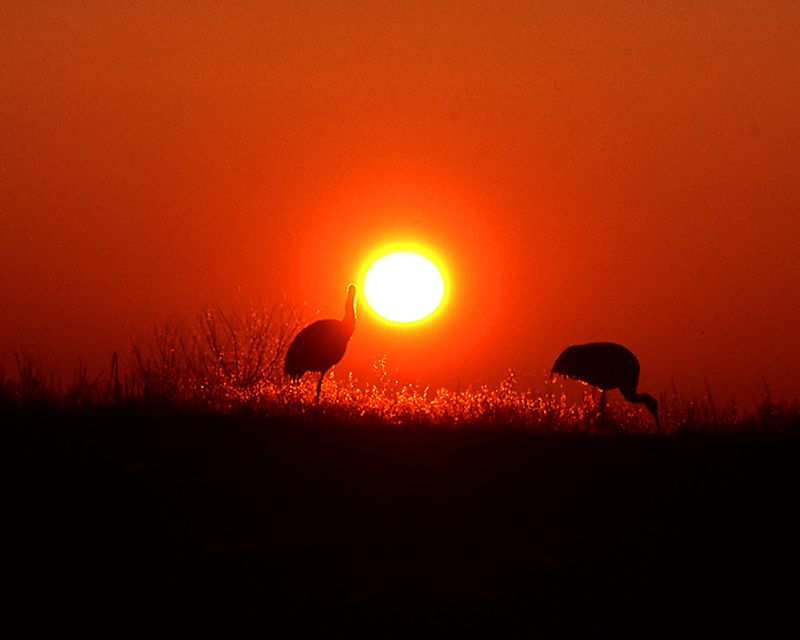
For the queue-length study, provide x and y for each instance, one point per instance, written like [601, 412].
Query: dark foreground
[126, 525]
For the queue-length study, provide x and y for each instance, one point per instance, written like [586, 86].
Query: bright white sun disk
[403, 287]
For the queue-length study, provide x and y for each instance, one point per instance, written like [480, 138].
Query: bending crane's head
[652, 406]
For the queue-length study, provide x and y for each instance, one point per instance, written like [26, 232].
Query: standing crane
[322, 343]
[605, 365]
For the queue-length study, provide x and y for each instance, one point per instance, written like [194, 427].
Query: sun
[403, 287]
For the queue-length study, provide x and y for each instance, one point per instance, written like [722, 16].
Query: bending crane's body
[605, 365]
[321, 344]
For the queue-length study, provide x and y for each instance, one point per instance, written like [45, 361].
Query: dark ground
[133, 525]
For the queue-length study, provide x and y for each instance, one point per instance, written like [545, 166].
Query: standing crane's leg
[319, 384]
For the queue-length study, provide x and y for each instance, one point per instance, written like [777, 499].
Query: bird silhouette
[605, 365]
[322, 343]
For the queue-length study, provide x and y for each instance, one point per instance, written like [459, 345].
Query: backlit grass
[231, 361]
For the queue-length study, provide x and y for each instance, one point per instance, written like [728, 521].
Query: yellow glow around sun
[403, 287]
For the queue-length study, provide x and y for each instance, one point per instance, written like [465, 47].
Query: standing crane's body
[322, 343]
[605, 365]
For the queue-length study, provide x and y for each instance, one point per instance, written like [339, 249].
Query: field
[134, 522]
[198, 493]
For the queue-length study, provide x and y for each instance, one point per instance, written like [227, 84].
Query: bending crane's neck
[643, 398]
[349, 320]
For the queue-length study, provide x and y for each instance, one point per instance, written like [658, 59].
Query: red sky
[609, 172]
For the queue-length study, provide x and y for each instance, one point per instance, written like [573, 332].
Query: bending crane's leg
[603, 409]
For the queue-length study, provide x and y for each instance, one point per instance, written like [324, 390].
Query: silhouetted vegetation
[189, 487]
[230, 362]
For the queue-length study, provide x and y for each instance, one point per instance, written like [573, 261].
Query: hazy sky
[589, 171]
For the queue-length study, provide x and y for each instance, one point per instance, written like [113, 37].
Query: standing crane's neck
[349, 320]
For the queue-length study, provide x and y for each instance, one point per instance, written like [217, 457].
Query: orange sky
[614, 172]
